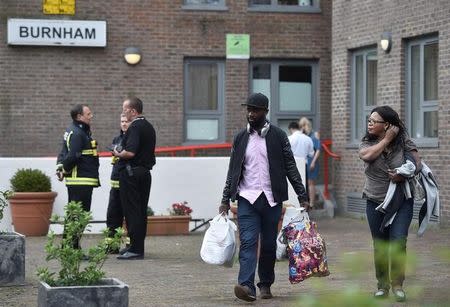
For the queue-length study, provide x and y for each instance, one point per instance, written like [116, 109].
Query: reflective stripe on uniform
[115, 184]
[82, 181]
[68, 140]
[89, 152]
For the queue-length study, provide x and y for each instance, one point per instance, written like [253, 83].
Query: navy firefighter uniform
[78, 160]
[114, 214]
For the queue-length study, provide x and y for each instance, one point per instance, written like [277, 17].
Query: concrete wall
[199, 181]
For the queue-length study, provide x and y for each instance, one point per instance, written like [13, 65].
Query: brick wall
[358, 24]
[38, 85]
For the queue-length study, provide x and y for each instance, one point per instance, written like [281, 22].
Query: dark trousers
[390, 245]
[114, 214]
[134, 194]
[82, 194]
[259, 220]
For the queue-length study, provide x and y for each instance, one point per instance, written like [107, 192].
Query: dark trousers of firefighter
[114, 214]
[134, 194]
[82, 194]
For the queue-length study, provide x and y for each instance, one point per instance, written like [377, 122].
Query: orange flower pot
[31, 212]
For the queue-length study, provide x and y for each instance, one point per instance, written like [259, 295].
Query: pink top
[255, 175]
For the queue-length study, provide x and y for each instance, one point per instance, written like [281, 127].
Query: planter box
[168, 225]
[31, 212]
[110, 292]
[12, 259]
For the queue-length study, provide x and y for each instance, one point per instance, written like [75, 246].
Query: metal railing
[327, 153]
[193, 149]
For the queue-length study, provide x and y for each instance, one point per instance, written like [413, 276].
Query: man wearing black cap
[261, 159]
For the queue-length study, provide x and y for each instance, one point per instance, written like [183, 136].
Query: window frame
[275, 114]
[355, 139]
[205, 114]
[275, 7]
[221, 6]
[425, 106]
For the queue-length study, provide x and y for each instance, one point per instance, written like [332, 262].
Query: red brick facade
[38, 85]
[358, 24]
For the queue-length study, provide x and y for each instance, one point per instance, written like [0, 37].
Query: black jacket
[78, 157]
[281, 165]
[117, 141]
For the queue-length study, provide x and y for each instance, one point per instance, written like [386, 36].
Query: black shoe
[124, 250]
[244, 293]
[265, 292]
[85, 257]
[130, 256]
[381, 293]
[399, 294]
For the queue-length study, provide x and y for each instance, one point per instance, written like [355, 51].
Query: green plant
[73, 272]
[150, 211]
[4, 196]
[30, 180]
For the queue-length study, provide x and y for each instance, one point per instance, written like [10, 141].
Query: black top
[139, 139]
[78, 139]
[281, 165]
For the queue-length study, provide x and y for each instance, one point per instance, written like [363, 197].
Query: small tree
[73, 272]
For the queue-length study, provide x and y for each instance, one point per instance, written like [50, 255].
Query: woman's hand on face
[391, 133]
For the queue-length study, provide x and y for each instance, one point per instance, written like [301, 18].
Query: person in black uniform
[78, 160]
[136, 160]
[114, 214]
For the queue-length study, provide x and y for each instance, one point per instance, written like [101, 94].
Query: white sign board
[49, 32]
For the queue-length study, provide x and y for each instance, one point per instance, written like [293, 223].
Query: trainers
[381, 293]
[244, 293]
[265, 292]
[124, 250]
[399, 294]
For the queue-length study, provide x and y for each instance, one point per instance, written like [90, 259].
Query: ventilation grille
[357, 205]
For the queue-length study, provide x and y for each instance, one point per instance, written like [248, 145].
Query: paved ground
[172, 273]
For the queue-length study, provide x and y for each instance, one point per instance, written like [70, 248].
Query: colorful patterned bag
[306, 250]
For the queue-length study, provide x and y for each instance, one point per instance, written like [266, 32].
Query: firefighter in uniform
[114, 214]
[78, 160]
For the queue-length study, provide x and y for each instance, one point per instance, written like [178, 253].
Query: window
[291, 87]
[422, 89]
[204, 4]
[363, 90]
[203, 100]
[311, 6]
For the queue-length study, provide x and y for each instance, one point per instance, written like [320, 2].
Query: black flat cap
[257, 100]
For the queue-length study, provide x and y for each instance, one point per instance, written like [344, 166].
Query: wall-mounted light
[386, 41]
[132, 55]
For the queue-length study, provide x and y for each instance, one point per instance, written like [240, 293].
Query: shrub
[30, 180]
[150, 211]
[73, 272]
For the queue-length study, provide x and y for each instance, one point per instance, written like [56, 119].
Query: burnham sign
[50, 32]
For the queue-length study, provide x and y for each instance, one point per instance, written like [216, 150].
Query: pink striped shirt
[255, 175]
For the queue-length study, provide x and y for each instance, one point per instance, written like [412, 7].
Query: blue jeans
[390, 245]
[259, 220]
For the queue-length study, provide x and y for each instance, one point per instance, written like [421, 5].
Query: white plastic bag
[290, 214]
[219, 242]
